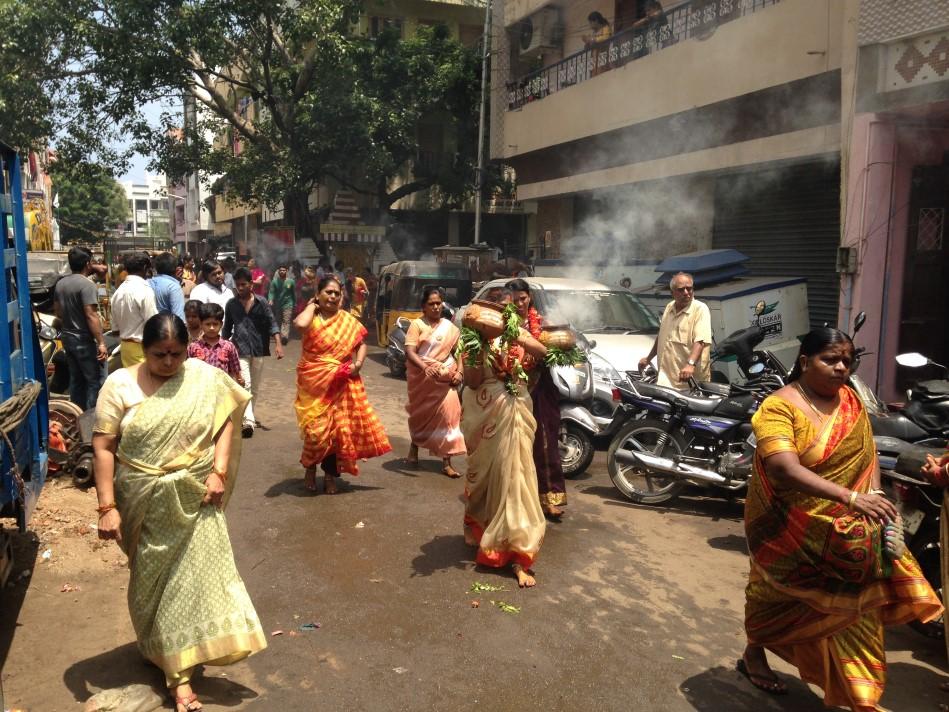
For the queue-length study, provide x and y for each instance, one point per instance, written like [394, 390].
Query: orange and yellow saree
[821, 588]
[333, 413]
[434, 407]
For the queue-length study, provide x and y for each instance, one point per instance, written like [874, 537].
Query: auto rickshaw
[400, 291]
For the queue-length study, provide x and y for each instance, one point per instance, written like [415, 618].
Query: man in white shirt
[212, 289]
[685, 335]
[132, 305]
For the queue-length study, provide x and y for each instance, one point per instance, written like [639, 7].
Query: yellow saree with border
[821, 588]
[186, 599]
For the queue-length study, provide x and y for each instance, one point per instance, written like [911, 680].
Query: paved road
[636, 608]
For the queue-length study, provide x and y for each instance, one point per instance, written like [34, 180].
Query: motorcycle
[703, 437]
[920, 506]
[928, 406]
[578, 428]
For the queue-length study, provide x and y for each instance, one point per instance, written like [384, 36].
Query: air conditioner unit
[540, 31]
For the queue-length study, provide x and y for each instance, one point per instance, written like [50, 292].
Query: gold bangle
[219, 473]
[105, 508]
[853, 498]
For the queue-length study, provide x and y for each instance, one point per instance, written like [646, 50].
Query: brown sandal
[451, 472]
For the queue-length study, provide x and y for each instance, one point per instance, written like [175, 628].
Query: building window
[930, 230]
[155, 205]
[378, 25]
[141, 205]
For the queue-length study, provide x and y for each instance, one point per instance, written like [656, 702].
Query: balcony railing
[687, 20]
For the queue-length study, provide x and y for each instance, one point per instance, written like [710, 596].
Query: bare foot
[309, 479]
[552, 510]
[525, 578]
[470, 539]
[411, 459]
[329, 484]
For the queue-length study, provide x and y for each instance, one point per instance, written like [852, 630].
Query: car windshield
[599, 311]
[407, 294]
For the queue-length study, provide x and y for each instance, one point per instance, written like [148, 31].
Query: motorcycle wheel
[929, 556]
[395, 368]
[639, 484]
[576, 449]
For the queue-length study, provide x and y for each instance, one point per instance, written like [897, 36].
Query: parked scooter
[928, 401]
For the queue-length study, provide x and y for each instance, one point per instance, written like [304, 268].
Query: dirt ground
[637, 608]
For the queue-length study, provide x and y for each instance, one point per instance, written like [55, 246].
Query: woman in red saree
[828, 566]
[337, 424]
[432, 373]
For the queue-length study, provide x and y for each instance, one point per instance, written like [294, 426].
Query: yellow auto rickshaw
[400, 291]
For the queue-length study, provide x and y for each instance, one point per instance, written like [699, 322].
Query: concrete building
[149, 224]
[719, 123]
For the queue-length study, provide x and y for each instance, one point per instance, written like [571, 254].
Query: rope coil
[13, 412]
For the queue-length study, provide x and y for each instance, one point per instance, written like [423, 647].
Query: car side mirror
[912, 360]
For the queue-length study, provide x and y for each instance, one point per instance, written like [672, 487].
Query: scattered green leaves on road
[478, 587]
[506, 607]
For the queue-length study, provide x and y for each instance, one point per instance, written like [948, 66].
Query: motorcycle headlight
[603, 370]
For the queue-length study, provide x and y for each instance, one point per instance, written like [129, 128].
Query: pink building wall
[884, 151]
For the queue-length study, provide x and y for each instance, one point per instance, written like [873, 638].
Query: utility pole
[484, 100]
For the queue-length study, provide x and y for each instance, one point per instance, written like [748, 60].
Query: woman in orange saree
[828, 567]
[337, 424]
[432, 374]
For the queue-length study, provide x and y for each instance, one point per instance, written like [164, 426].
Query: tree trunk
[296, 212]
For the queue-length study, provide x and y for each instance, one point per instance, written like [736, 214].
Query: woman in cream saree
[503, 517]
[828, 568]
[169, 430]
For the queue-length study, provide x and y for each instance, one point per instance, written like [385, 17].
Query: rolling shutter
[787, 220]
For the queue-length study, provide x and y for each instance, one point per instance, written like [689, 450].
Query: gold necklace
[807, 400]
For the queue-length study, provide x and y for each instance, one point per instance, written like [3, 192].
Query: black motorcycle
[920, 506]
[703, 437]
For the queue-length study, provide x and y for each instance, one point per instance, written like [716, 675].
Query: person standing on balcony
[685, 333]
[132, 305]
[651, 25]
[599, 27]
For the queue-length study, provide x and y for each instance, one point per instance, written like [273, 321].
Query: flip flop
[187, 701]
[765, 684]
[451, 472]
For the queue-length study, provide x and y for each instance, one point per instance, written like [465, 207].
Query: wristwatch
[691, 362]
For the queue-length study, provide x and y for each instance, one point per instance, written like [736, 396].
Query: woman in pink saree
[432, 373]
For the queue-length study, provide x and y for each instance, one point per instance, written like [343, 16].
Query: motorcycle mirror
[912, 360]
[592, 343]
[859, 321]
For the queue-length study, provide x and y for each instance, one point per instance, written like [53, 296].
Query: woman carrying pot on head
[432, 374]
[166, 445]
[337, 424]
[828, 565]
[546, 406]
[503, 517]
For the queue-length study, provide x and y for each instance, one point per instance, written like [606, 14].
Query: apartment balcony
[693, 19]
[707, 53]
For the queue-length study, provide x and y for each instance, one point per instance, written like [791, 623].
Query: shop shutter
[787, 220]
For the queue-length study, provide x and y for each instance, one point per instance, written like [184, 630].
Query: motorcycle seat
[693, 403]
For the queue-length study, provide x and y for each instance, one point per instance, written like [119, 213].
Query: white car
[621, 326]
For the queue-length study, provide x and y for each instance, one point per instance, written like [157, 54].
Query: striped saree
[333, 413]
[821, 589]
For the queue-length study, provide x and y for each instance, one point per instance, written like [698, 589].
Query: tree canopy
[288, 95]
[92, 204]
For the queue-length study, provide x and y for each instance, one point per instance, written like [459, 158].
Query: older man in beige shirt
[685, 334]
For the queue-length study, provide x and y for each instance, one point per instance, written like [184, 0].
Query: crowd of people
[829, 568]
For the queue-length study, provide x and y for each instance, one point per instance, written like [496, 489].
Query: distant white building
[149, 223]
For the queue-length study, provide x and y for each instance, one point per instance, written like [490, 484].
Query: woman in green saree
[166, 445]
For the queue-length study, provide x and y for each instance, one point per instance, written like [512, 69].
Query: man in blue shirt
[167, 288]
